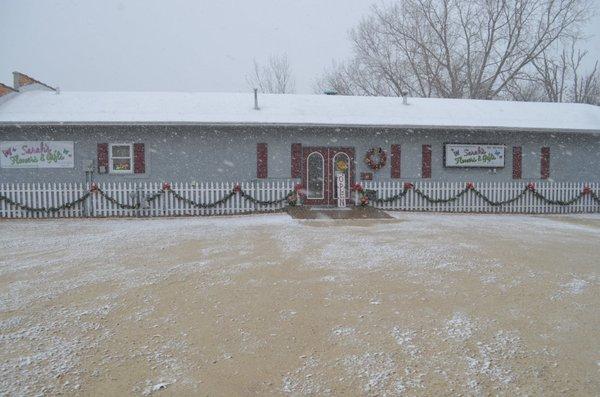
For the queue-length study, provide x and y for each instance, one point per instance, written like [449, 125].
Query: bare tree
[559, 77]
[275, 77]
[585, 86]
[452, 48]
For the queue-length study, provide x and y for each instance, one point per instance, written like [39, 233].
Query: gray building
[52, 136]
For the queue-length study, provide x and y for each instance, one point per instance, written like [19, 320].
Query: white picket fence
[495, 191]
[44, 195]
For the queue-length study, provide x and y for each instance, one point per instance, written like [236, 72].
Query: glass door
[320, 167]
[316, 176]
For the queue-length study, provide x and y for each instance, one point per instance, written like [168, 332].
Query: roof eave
[278, 124]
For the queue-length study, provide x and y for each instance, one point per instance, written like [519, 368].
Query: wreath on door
[376, 158]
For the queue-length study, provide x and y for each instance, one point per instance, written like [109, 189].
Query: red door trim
[328, 154]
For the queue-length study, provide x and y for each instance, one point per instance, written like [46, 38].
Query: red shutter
[261, 160]
[545, 163]
[396, 171]
[517, 162]
[296, 160]
[426, 162]
[139, 158]
[102, 157]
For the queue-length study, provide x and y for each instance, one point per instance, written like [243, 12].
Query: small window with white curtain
[121, 158]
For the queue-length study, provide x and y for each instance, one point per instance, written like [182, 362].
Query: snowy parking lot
[419, 304]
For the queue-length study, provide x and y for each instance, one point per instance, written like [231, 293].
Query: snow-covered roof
[46, 107]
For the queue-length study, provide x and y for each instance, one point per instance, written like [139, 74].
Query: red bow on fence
[357, 187]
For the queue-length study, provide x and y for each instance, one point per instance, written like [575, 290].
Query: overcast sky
[176, 45]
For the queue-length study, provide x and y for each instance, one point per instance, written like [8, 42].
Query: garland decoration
[292, 198]
[381, 156]
[64, 206]
[364, 200]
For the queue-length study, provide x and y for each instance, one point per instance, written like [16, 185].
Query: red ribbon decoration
[587, 190]
[93, 187]
[166, 186]
[470, 186]
[531, 186]
[237, 189]
[408, 186]
[357, 187]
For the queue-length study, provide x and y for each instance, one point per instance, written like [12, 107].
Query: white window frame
[322, 196]
[110, 159]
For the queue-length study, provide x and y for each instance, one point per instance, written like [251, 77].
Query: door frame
[328, 153]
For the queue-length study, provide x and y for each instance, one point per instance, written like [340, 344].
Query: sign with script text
[490, 156]
[341, 189]
[37, 154]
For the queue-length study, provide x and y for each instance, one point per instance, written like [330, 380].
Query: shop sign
[458, 155]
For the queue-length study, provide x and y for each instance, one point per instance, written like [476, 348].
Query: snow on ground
[420, 304]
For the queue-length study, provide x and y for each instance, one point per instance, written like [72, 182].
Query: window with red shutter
[426, 162]
[545, 163]
[395, 162]
[261, 160]
[120, 158]
[296, 160]
[517, 162]
[139, 158]
[102, 158]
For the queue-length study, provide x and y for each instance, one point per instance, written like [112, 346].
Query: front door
[319, 170]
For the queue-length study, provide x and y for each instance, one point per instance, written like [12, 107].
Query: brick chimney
[21, 80]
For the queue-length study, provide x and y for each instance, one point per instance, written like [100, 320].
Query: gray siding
[220, 153]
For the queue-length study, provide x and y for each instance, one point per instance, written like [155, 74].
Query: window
[316, 176]
[121, 158]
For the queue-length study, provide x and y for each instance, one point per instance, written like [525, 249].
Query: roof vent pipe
[256, 99]
[404, 98]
